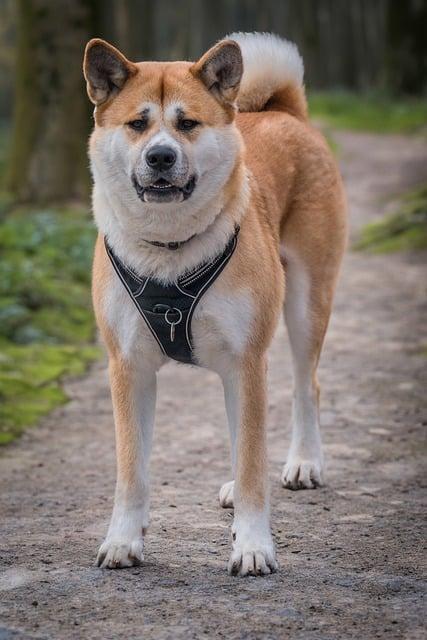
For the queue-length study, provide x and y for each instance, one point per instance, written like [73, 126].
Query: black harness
[168, 309]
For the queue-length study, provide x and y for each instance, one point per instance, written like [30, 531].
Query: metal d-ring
[172, 324]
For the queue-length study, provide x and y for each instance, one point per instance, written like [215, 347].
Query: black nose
[161, 157]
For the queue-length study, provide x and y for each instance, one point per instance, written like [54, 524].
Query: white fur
[253, 548]
[171, 110]
[221, 328]
[153, 109]
[128, 222]
[226, 495]
[304, 465]
[230, 382]
[269, 63]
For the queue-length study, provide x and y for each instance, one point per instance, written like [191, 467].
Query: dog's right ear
[105, 70]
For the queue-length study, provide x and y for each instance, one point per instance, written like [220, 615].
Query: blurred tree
[7, 57]
[48, 160]
[406, 58]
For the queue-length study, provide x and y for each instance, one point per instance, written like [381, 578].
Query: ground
[350, 553]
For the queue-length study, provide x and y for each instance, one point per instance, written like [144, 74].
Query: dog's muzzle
[161, 190]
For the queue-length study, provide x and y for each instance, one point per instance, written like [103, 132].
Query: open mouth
[164, 191]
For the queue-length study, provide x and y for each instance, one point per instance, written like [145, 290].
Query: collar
[170, 245]
[188, 275]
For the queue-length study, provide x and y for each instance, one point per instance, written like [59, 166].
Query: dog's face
[164, 143]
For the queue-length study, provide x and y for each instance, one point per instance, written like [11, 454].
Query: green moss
[46, 318]
[379, 114]
[30, 378]
[405, 230]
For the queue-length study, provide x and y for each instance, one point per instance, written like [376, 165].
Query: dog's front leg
[253, 548]
[134, 396]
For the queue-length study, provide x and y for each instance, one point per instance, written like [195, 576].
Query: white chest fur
[221, 327]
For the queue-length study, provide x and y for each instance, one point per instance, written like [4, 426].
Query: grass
[405, 230]
[46, 319]
[379, 114]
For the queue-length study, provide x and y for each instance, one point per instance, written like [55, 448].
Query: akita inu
[211, 192]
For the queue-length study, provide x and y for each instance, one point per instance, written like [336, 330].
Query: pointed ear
[220, 69]
[105, 70]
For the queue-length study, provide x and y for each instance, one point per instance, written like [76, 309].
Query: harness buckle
[173, 323]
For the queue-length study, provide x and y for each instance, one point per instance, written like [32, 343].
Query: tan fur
[122, 379]
[252, 445]
[296, 202]
[154, 81]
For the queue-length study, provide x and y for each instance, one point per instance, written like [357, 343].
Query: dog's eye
[137, 125]
[187, 125]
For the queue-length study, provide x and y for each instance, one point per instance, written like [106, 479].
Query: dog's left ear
[220, 69]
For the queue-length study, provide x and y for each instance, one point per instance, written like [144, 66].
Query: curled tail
[273, 73]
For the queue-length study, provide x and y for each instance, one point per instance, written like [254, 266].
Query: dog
[218, 206]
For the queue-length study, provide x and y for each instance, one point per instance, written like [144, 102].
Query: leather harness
[168, 308]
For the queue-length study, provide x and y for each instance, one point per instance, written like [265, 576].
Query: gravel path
[350, 553]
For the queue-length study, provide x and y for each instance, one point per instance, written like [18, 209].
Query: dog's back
[283, 151]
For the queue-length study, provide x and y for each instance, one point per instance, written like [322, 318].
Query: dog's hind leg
[231, 395]
[304, 465]
[133, 393]
[311, 271]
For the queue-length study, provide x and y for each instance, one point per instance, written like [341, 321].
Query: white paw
[253, 551]
[302, 473]
[117, 554]
[226, 497]
[252, 560]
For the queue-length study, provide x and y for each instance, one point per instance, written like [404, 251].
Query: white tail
[273, 72]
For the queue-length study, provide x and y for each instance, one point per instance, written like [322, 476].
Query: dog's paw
[247, 561]
[118, 554]
[302, 473]
[253, 551]
[226, 495]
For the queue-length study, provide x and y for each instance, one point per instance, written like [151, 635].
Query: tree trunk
[48, 159]
[407, 47]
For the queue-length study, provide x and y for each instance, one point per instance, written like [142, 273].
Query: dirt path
[350, 553]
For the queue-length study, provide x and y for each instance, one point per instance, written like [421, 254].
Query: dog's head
[164, 139]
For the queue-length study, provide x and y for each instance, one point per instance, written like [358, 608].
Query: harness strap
[167, 309]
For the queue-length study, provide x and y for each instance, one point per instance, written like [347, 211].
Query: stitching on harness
[190, 295]
[198, 274]
[141, 289]
[202, 290]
